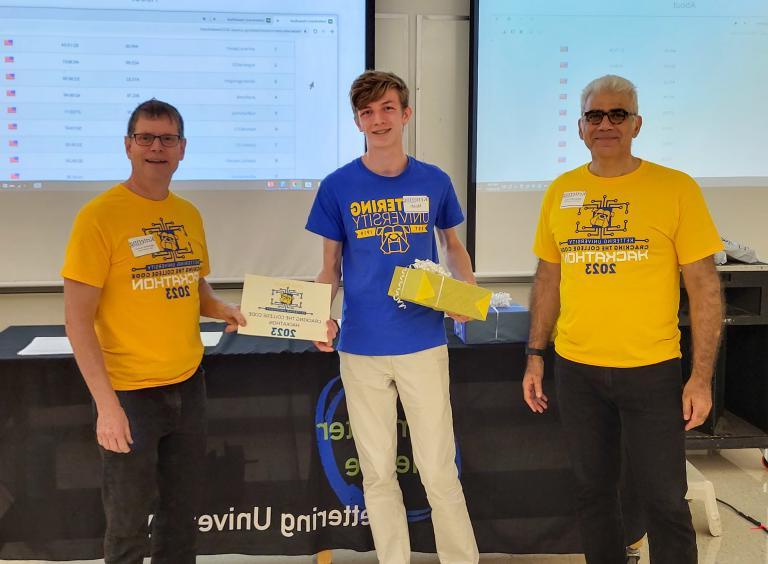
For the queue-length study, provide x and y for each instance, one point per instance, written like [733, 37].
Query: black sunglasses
[615, 116]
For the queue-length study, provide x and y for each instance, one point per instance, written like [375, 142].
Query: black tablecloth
[280, 455]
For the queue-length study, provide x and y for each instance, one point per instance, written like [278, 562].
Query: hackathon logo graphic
[286, 299]
[602, 239]
[600, 222]
[173, 244]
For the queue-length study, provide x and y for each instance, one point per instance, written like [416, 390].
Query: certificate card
[275, 307]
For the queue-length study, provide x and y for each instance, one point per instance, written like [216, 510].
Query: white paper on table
[46, 345]
[210, 338]
[40, 346]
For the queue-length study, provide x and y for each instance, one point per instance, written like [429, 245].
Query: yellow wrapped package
[439, 292]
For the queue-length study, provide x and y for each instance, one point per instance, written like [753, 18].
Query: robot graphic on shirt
[169, 235]
[600, 224]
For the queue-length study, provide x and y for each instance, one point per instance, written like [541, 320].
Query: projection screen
[699, 70]
[262, 86]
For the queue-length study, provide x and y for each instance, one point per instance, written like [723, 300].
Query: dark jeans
[162, 475]
[605, 410]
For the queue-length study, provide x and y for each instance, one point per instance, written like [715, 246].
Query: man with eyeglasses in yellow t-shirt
[612, 238]
[134, 291]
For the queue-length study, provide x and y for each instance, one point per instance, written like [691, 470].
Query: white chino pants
[371, 385]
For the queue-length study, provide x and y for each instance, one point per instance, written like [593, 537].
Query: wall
[426, 41]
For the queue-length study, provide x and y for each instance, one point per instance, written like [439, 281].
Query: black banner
[282, 472]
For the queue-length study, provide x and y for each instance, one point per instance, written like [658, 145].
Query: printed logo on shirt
[602, 239]
[394, 239]
[172, 270]
[391, 220]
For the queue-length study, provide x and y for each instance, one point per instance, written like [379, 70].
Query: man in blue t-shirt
[375, 213]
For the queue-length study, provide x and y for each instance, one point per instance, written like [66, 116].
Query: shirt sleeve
[88, 255]
[205, 268]
[696, 236]
[449, 213]
[544, 245]
[325, 216]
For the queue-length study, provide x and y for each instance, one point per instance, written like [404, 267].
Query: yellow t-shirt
[147, 257]
[620, 242]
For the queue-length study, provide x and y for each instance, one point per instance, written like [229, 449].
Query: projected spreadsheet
[701, 90]
[243, 83]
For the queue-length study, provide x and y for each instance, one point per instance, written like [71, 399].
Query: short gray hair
[611, 83]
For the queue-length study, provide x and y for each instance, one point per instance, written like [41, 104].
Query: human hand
[533, 392]
[113, 432]
[233, 316]
[697, 401]
[333, 330]
[458, 317]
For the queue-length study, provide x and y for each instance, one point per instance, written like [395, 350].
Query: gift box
[439, 292]
[507, 324]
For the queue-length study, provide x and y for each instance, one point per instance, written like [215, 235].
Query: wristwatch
[530, 351]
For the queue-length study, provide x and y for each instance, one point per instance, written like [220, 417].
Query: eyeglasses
[615, 116]
[147, 139]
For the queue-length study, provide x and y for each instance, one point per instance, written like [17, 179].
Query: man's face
[383, 121]
[608, 140]
[155, 161]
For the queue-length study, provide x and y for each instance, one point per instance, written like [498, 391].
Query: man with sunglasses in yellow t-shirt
[134, 290]
[612, 238]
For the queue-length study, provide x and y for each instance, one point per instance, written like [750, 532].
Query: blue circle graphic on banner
[349, 494]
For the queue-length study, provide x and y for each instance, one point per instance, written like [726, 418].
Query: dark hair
[155, 109]
[372, 85]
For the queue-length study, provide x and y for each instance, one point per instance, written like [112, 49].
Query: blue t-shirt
[384, 222]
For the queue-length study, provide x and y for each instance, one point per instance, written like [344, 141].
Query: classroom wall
[427, 42]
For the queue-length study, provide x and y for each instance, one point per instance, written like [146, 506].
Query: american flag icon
[8, 42]
[13, 160]
[13, 142]
[10, 76]
[563, 96]
[15, 176]
[11, 110]
[8, 59]
[13, 126]
[10, 93]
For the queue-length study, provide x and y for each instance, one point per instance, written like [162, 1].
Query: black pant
[162, 474]
[605, 410]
